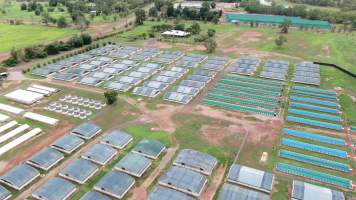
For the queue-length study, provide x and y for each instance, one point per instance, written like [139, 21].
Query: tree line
[340, 17]
[165, 8]
[343, 4]
[81, 12]
[42, 51]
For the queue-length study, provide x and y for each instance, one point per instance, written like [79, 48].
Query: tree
[153, 12]
[204, 10]
[210, 45]
[195, 29]
[213, 5]
[62, 22]
[179, 27]
[110, 96]
[45, 18]
[23, 6]
[285, 26]
[140, 16]
[211, 32]
[215, 19]
[159, 4]
[280, 41]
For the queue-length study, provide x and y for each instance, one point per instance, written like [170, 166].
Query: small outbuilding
[233, 192]
[117, 139]
[133, 164]
[92, 195]
[250, 177]
[197, 161]
[68, 143]
[79, 171]
[99, 154]
[19, 176]
[163, 193]
[175, 33]
[306, 191]
[184, 180]
[45, 159]
[55, 189]
[115, 184]
[149, 148]
[86, 130]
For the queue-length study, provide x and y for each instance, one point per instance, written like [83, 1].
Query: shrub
[76, 41]
[62, 22]
[52, 49]
[10, 62]
[86, 39]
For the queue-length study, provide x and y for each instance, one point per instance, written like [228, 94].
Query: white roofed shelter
[23, 138]
[11, 109]
[24, 96]
[41, 118]
[175, 33]
[4, 118]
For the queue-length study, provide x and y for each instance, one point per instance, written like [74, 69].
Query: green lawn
[18, 36]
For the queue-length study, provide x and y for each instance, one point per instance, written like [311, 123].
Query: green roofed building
[276, 20]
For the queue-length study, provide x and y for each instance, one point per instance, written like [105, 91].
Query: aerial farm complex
[178, 116]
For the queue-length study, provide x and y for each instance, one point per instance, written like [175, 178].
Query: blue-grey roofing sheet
[68, 143]
[86, 130]
[4, 193]
[178, 97]
[92, 195]
[117, 86]
[46, 158]
[197, 160]
[100, 153]
[55, 189]
[146, 91]
[87, 80]
[184, 179]
[117, 139]
[306, 191]
[19, 176]
[151, 148]
[163, 193]
[234, 192]
[134, 164]
[115, 183]
[79, 171]
[251, 177]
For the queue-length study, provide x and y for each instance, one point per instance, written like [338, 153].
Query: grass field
[18, 36]
[188, 136]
